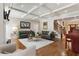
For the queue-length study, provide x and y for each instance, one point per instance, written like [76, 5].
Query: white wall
[16, 22]
[35, 26]
[2, 26]
[9, 27]
[50, 24]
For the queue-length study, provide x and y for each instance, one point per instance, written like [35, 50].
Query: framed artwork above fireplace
[24, 25]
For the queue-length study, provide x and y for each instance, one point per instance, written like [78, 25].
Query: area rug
[39, 44]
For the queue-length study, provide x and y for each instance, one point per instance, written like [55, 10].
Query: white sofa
[10, 50]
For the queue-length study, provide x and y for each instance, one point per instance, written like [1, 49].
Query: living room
[36, 28]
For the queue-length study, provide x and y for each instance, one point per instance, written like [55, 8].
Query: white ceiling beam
[33, 9]
[76, 13]
[22, 11]
[35, 17]
[67, 6]
[46, 7]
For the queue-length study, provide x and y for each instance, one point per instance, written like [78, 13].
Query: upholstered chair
[10, 50]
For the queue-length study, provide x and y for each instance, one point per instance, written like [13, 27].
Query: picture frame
[45, 25]
[24, 25]
[55, 25]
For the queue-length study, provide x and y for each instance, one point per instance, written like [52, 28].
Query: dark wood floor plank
[55, 49]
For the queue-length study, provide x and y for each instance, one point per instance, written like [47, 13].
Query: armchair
[10, 50]
[45, 35]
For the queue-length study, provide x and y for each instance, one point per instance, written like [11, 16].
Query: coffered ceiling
[35, 11]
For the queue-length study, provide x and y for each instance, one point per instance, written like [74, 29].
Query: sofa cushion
[23, 34]
[45, 32]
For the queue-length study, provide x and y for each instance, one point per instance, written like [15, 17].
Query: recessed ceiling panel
[54, 6]
[29, 16]
[25, 6]
[16, 14]
[33, 10]
[41, 10]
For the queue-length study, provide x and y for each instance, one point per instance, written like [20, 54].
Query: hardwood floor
[56, 49]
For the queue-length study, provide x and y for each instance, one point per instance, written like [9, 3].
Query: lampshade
[14, 28]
